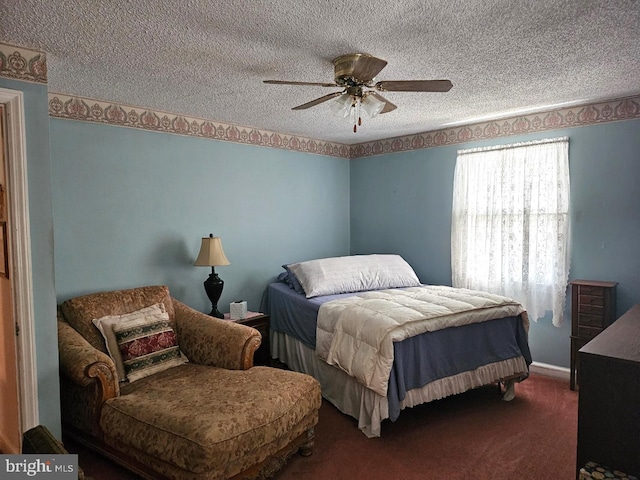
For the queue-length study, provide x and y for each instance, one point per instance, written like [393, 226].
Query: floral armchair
[211, 414]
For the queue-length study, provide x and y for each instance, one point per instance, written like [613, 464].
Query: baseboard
[547, 370]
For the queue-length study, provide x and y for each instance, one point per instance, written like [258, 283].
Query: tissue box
[238, 310]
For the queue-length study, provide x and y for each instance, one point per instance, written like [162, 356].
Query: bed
[379, 341]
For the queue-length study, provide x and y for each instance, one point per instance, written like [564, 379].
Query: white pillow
[105, 325]
[356, 273]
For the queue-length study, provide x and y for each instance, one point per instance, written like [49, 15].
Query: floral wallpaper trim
[90, 110]
[576, 116]
[85, 109]
[21, 63]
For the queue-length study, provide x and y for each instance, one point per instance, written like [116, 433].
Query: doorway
[10, 432]
[18, 372]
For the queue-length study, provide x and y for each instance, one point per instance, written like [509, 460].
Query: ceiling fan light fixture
[341, 106]
[372, 106]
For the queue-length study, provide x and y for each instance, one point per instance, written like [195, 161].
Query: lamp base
[213, 286]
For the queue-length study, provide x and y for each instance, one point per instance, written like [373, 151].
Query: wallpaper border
[72, 107]
[24, 64]
[627, 108]
[91, 110]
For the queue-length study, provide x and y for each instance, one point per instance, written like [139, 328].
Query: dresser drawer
[591, 309]
[590, 320]
[591, 290]
[587, 332]
[590, 300]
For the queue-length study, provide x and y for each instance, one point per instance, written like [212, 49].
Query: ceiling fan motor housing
[356, 69]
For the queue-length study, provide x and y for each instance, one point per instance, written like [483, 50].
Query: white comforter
[357, 333]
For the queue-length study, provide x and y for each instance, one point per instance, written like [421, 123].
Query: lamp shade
[211, 253]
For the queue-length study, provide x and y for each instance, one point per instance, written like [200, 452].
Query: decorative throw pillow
[148, 345]
[105, 326]
[355, 273]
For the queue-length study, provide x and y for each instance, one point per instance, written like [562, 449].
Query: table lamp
[212, 255]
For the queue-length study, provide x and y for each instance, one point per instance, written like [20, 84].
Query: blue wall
[131, 206]
[402, 203]
[41, 231]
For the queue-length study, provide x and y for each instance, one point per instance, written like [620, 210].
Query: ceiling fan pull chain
[357, 119]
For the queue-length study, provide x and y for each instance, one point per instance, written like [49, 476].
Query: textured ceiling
[208, 58]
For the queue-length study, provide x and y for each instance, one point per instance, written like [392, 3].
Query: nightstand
[593, 308]
[260, 322]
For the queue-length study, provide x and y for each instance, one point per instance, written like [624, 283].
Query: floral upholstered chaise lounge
[195, 408]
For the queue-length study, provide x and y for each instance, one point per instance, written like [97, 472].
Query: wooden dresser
[609, 399]
[593, 308]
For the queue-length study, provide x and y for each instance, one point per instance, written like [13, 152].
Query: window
[510, 223]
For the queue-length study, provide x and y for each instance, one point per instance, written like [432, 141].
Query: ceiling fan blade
[414, 86]
[367, 67]
[388, 106]
[359, 66]
[317, 101]
[285, 82]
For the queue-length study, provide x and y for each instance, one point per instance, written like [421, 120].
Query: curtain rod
[513, 145]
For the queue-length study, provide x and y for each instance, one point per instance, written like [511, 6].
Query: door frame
[20, 248]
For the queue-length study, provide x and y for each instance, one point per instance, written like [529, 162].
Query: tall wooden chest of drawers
[593, 308]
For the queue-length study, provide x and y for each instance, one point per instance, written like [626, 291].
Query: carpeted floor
[470, 436]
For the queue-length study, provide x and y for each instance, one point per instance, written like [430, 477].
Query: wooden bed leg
[510, 390]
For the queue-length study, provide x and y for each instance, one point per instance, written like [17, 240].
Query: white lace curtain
[510, 224]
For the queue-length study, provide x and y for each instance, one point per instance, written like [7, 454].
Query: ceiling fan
[355, 74]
